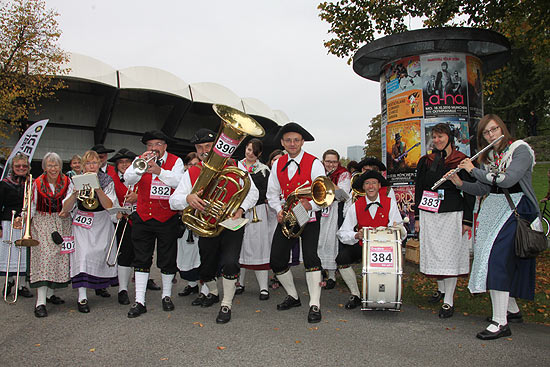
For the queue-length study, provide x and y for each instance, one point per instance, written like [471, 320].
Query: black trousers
[126, 254]
[144, 235]
[281, 246]
[348, 254]
[221, 252]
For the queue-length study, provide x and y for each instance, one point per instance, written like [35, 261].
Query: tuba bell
[321, 191]
[214, 180]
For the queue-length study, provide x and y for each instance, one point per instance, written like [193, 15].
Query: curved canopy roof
[148, 78]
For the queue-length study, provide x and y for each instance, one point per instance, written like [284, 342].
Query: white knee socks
[228, 291]
[499, 299]
[313, 279]
[351, 280]
[512, 305]
[241, 276]
[49, 292]
[124, 275]
[287, 281]
[332, 274]
[262, 276]
[141, 286]
[41, 295]
[82, 294]
[449, 290]
[441, 285]
[212, 287]
[167, 285]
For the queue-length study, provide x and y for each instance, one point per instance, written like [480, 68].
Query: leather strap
[510, 202]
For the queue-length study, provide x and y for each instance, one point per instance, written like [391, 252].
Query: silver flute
[440, 182]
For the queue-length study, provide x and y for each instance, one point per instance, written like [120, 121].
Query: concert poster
[383, 139]
[403, 150]
[383, 94]
[405, 105]
[459, 130]
[475, 89]
[402, 76]
[405, 202]
[444, 87]
[472, 129]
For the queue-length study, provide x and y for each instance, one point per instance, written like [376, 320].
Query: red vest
[364, 219]
[148, 208]
[304, 175]
[194, 172]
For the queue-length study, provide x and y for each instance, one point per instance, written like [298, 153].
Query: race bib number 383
[84, 219]
[381, 256]
[225, 146]
[430, 201]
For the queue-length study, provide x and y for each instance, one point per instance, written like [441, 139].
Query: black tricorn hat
[155, 134]
[203, 136]
[372, 161]
[358, 182]
[122, 153]
[293, 127]
[100, 149]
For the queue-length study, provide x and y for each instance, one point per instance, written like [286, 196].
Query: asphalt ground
[258, 334]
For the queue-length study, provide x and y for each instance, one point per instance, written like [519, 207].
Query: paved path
[258, 334]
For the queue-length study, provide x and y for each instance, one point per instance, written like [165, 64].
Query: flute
[440, 182]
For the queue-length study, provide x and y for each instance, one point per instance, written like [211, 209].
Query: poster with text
[472, 129]
[405, 105]
[403, 150]
[459, 130]
[405, 202]
[402, 76]
[475, 90]
[444, 85]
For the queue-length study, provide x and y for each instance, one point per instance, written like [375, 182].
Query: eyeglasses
[92, 163]
[331, 162]
[52, 166]
[20, 166]
[295, 140]
[157, 144]
[490, 131]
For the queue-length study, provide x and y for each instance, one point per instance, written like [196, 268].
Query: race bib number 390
[225, 146]
[84, 219]
[381, 256]
[430, 201]
[159, 190]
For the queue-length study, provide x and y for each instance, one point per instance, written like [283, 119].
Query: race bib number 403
[159, 190]
[225, 146]
[84, 219]
[430, 201]
[381, 256]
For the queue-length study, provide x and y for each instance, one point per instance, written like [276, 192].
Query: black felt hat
[155, 134]
[372, 161]
[358, 182]
[100, 149]
[293, 127]
[203, 136]
[122, 153]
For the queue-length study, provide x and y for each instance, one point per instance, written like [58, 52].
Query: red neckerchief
[60, 186]
[451, 161]
[334, 176]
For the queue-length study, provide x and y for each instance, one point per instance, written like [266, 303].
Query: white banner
[27, 143]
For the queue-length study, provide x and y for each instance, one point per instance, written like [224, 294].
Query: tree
[373, 144]
[512, 92]
[30, 58]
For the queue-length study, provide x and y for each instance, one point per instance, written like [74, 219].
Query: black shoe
[136, 310]
[152, 285]
[446, 311]
[353, 302]
[515, 317]
[198, 301]
[83, 306]
[239, 289]
[264, 295]
[288, 303]
[503, 330]
[188, 290]
[41, 311]
[210, 300]
[436, 297]
[330, 284]
[167, 304]
[55, 300]
[102, 293]
[314, 315]
[123, 298]
[11, 283]
[25, 292]
[224, 315]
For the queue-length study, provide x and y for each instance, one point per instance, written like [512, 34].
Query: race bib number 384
[225, 146]
[381, 256]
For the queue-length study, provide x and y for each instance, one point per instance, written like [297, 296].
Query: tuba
[214, 180]
[321, 192]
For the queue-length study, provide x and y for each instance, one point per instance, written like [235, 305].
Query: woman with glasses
[49, 268]
[12, 189]
[93, 230]
[508, 166]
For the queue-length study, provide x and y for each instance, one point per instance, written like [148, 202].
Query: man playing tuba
[222, 250]
[288, 173]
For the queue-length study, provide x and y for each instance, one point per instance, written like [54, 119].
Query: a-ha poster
[403, 140]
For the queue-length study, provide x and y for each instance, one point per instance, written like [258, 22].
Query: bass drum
[382, 269]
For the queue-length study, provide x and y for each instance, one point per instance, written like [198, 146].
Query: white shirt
[169, 177]
[274, 191]
[347, 232]
[178, 199]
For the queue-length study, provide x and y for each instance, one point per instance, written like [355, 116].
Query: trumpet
[9, 243]
[111, 264]
[446, 177]
[255, 218]
[140, 165]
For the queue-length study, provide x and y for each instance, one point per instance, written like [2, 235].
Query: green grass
[540, 179]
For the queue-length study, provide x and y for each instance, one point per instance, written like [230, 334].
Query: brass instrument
[214, 179]
[9, 243]
[356, 194]
[27, 240]
[111, 264]
[87, 196]
[140, 165]
[321, 192]
[255, 218]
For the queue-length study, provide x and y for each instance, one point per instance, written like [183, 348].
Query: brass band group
[209, 217]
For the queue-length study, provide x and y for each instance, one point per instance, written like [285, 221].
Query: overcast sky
[269, 50]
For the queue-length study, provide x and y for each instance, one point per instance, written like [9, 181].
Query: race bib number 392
[225, 146]
[84, 219]
[381, 256]
[430, 201]
[159, 190]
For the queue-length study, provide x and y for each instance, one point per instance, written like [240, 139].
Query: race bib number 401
[159, 190]
[430, 201]
[381, 256]
[84, 219]
[225, 146]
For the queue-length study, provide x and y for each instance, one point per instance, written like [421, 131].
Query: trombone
[9, 243]
[111, 264]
